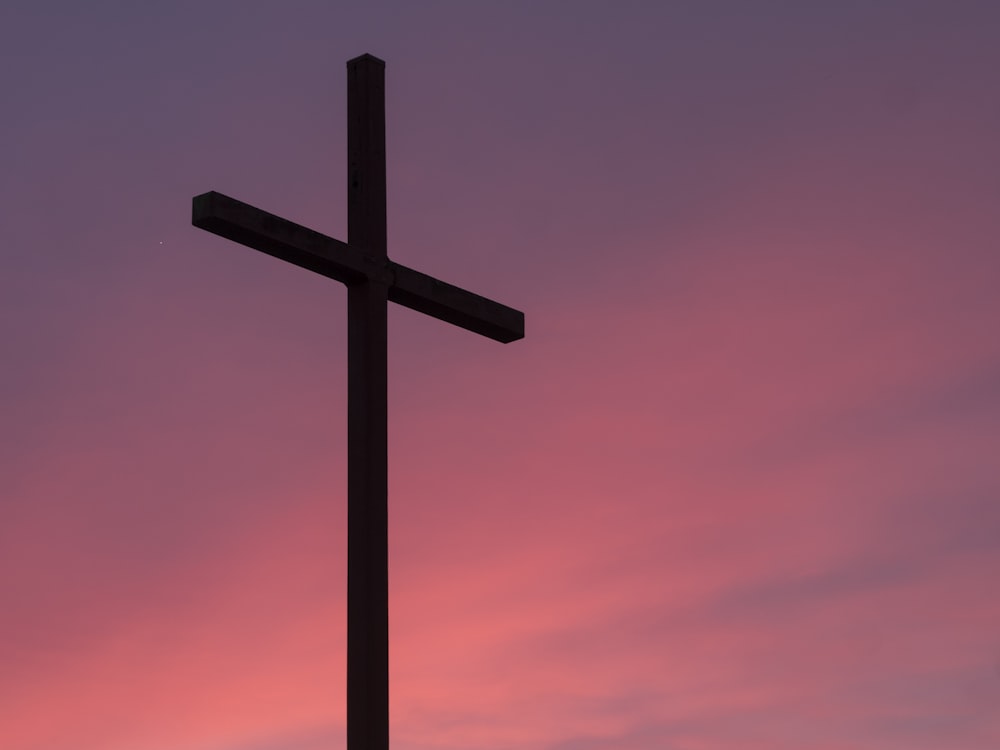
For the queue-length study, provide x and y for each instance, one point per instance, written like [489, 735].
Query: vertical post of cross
[367, 461]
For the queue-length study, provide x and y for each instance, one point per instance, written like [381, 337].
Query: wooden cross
[372, 280]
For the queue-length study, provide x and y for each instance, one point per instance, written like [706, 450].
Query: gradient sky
[738, 489]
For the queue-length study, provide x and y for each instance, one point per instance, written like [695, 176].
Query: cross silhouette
[372, 280]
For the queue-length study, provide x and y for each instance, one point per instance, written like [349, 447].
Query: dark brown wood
[440, 300]
[372, 281]
[367, 442]
[243, 223]
[250, 226]
[366, 223]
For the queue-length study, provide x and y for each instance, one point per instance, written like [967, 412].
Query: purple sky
[737, 489]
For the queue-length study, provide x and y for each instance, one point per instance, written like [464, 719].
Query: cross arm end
[454, 305]
[250, 226]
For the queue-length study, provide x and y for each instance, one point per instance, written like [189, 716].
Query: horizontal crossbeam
[243, 223]
[250, 226]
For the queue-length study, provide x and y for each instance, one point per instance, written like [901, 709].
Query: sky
[736, 489]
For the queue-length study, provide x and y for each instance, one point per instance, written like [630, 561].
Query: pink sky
[737, 489]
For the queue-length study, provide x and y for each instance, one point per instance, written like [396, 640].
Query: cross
[372, 281]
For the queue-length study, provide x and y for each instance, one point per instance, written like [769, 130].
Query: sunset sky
[737, 489]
